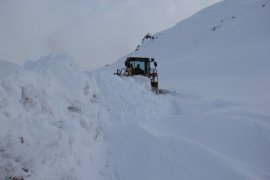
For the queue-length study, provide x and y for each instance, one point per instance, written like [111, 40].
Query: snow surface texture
[58, 122]
[52, 115]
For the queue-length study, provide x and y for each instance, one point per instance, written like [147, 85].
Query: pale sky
[93, 32]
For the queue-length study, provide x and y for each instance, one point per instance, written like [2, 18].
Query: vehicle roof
[138, 59]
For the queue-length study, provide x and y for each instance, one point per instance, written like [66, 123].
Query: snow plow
[141, 66]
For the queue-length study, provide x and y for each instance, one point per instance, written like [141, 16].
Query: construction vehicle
[141, 66]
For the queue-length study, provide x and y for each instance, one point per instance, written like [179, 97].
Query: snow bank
[53, 116]
[43, 129]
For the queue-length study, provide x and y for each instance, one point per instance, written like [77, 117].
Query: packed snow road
[199, 139]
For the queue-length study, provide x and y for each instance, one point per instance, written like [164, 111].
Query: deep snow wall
[54, 118]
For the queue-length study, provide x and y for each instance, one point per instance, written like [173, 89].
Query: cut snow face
[54, 117]
[58, 122]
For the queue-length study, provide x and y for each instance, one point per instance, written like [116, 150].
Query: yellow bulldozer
[141, 66]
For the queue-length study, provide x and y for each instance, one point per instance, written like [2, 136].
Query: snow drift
[52, 113]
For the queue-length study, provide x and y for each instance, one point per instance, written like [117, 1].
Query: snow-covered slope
[222, 50]
[58, 122]
[217, 62]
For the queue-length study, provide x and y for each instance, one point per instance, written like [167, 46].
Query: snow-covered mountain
[58, 122]
[225, 46]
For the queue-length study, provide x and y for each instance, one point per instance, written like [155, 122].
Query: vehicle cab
[143, 66]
